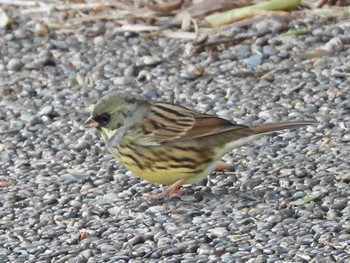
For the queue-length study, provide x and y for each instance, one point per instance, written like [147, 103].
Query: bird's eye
[103, 119]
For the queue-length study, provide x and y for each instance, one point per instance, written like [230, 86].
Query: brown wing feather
[171, 123]
[205, 125]
[167, 122]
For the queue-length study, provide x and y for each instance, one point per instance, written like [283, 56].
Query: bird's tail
[267, 128]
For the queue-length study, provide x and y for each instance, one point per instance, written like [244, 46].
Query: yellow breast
[166, 164]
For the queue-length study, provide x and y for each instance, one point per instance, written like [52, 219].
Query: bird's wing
[166, 122]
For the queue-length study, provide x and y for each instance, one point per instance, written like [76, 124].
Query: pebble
[40, 30]
[253, 61]
[69, 178]
[346, 137]
[46, 110]
[151, 93]
[121, 81]
[151, 60]
[192, 72]
[274, 219]
[82, 145]
[218, 232]
[346, 178]
[262, 26]
[334, 45]
[270, 51]
[14, 64]
[241, 51]
[268, 77]
[99, 41]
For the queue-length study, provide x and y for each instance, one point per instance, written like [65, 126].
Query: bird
[169, 144]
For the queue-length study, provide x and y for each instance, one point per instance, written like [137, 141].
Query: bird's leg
[171, 191]
[174, 189]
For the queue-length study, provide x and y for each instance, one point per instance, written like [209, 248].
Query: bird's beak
[91, 123]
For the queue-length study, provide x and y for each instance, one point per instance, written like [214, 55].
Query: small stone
[192, 72]
[339, 205]
[99, 41]
[40, 30]
[71, 178]
[241, 51]
[283, 54]
[346, 138]
[46, 110]
[268, 77]
[137, 240]
[121, 81]
[274, 218]
[130, 71]
[141, 50]
[151, 60]
[334, 45]
[262, 26]
[34, 120]
[172, 251]
[270, 51]
[151, 93]
[265, 115]
[253, 61]
[105, 248]
[218, 232]
[14, 64]
[346, 178]
[82, 145]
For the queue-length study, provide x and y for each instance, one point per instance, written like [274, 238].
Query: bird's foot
[169, 192]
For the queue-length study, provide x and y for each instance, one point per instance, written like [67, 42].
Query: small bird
[169, 144]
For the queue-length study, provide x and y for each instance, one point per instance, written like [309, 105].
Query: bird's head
[114, 111]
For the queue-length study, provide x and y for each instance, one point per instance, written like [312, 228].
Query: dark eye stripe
[103, 119]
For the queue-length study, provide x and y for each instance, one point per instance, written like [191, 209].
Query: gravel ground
[65, 199]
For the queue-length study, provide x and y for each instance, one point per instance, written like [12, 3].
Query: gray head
[114, 110]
